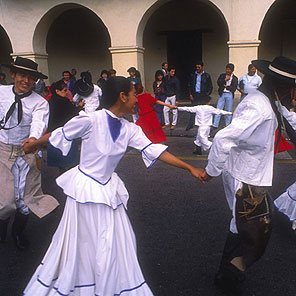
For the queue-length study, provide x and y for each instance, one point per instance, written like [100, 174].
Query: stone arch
[156, 30]
[5, 52]
[157, 4]
[278, 30]
[86, 43]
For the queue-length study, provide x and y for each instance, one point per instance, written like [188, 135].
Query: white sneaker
[294, 225]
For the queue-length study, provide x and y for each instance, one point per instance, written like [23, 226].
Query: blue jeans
[226, 100]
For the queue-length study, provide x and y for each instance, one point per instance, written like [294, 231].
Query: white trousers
[20, 170]
[231, 186]
[202, 138]
[166, 110]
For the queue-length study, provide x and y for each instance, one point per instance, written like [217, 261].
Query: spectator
[2, 79]
[39, 87]
[200, 88]
[104, 77]
[112, 73]
[70, 84]
[73, 73]
[61, 110]
[159, 92]
[135, 76]
[227, 83]
[172, 87]
[249, 81]
[164, 68]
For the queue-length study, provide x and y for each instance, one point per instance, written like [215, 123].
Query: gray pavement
[180, 227]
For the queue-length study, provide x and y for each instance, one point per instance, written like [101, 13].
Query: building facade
[102, 34]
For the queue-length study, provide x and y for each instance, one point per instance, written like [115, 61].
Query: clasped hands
[28, 145]
[201, 175]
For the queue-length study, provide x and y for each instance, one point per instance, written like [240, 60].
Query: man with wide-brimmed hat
[244, 153]
[23, 118]
[87, 93]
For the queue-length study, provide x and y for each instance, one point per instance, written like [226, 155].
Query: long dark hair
[157, 73]
[58, 85]
[112, 89]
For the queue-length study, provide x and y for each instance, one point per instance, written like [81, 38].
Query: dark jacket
[172, 86]
[61, 111]
[159, 91]
[206, 86]
[221, 81]
[39, 87]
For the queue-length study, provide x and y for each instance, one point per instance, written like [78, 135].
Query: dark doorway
[184, 49]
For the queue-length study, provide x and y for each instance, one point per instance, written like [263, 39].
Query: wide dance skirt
[92, 253]
[151, 127]
[286, 202]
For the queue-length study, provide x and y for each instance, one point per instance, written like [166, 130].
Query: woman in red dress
[148, 120]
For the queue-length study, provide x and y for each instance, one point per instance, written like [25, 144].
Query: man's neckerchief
[18, 102]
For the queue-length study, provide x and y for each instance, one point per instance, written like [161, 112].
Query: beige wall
[28, 22]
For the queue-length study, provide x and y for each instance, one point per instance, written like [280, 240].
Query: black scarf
[18, 102]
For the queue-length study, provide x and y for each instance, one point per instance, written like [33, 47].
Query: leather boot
[18, 227]
[229, 278]
[3, 230]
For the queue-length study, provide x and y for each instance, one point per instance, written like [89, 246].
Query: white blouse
[94, 180]
[204, 114]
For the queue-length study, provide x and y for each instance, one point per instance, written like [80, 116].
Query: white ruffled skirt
[92, 253]
[286, 202]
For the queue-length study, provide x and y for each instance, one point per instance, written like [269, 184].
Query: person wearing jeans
[227, 83]
[172, 91]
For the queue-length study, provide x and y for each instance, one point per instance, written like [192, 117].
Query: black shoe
[188, 128]
[230, 286]
[197, 150]
[18, 227]
[3, 230]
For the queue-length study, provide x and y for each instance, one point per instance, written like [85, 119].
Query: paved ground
[180, 227]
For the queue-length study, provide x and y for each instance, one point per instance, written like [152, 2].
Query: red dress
[283, 144]
[148, 120]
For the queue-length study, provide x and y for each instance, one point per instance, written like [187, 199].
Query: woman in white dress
[93, 251]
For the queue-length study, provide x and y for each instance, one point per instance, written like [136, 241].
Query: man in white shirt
[243, 153]
[248, 82]
[23, 118]
[87, 92]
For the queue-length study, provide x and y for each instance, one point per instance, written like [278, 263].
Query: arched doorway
[183, 32]
[278, 31]
[5, 51]
[73, 37]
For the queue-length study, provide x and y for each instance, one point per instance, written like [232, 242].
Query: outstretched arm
[174, 161]
[167, 105]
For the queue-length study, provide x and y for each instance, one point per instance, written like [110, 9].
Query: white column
[40, 59]
[241, 53]
[124, 57]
